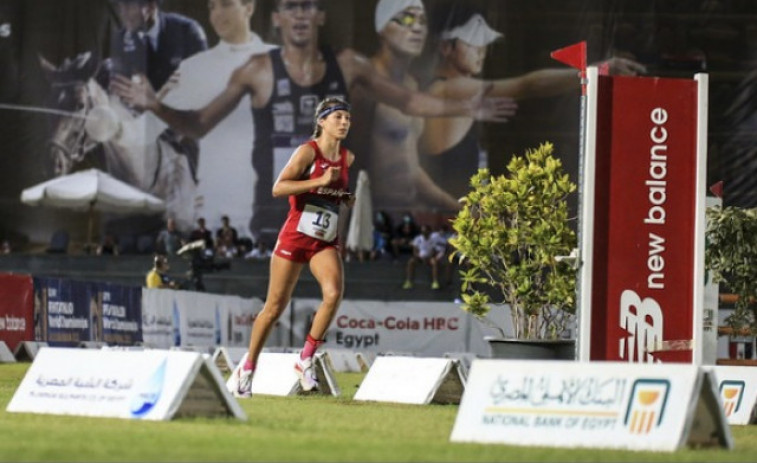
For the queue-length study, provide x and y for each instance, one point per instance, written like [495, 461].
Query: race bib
[318, 222]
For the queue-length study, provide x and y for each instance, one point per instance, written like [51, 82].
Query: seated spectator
[226, 239]
[244, 245]
[259, 252]
[6, 247]
[383, 231]
[169, 239]
[157, 276]
[402, 242]
[202, 233]
[108, 246]
[429, 249]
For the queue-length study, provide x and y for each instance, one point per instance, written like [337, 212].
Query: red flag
[572, 55]
[717, 189]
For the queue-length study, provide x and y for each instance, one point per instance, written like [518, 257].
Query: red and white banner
[16, 309]
[646, 291]
[422, 328]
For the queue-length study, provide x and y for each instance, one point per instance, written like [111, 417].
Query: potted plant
[731, 257]
[510, 233]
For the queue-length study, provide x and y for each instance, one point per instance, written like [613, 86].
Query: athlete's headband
[387, 9]
[331, 109]
[474, 32]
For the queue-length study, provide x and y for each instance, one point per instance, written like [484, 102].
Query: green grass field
[306, 428]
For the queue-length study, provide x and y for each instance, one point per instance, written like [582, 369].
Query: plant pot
[544, 349]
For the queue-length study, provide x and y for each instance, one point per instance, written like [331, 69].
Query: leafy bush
[508, 234]
[731, 257]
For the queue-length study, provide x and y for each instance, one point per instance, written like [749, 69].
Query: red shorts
[299, 247]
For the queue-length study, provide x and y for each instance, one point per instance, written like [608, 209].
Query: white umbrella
[91, 190]
[360, 232]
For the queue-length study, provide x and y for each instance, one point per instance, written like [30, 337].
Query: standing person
[316, 181]
[224, 165]
[284, 87]
[449, 146]
[152, 42]
[170, 239]
[428, 248]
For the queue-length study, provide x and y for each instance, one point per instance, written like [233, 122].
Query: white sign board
[6, 356]
[26, 351]
[148, 385]
[738, 392]
[600, 404]
[412, 380]
[275, 375]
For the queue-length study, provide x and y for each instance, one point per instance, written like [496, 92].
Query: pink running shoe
[306, 373]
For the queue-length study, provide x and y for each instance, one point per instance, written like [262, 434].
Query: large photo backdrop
[58, 113]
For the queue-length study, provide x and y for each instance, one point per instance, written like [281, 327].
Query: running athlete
[316, 181]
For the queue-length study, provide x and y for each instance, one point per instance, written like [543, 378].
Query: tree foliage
[731, 257]
[508, 233]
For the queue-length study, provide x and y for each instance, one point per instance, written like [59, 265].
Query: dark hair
[319, 4]
[159, 260]
[325, 104]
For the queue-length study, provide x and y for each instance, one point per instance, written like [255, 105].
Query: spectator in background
[6, 247]
[430, 249]
[157, 277]
[259, 252]
[108, 246]
[383, 231]
[152, 42]
[226, 239]
[202, 233]
[402, 242]
[169, 239]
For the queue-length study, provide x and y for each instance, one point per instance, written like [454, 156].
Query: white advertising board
[275, 375]
[6, 356]
[598, 404]
[412, 380]
[424, 328]
[148, 385]
[738, 392]
[187, 318]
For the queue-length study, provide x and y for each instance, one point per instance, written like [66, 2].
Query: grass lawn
[306, 428]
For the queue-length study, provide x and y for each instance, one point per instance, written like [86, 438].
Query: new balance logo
[643, 320]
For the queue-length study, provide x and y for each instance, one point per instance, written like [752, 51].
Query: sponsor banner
[601, 404]
[186, 318]
[149, 385]
[424, 328]
[644, 303]
[738, 392]
[65, 307]
[115, 314]
[16, 309]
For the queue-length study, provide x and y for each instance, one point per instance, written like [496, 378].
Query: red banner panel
[16, 309]
[643, 294]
